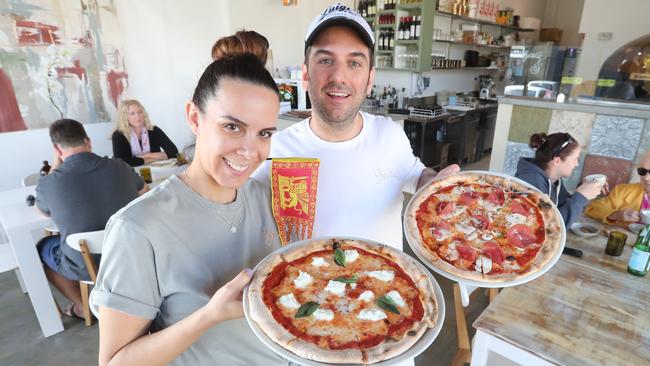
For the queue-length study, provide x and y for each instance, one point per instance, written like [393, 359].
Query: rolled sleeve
[127, 280]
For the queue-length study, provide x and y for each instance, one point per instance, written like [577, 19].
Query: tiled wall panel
[527, 121]
[514, 151]
[616, 137]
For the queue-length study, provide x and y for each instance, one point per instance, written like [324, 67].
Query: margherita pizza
[342, 301]
[484, 227]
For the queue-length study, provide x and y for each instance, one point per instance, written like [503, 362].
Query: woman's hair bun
[537, 140]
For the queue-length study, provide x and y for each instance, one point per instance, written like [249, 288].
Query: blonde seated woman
[136, 140]
[623, 204]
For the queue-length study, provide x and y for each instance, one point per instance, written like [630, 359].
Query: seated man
[81, 193]
[622, 205]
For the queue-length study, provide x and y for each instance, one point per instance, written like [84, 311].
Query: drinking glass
[615, 243]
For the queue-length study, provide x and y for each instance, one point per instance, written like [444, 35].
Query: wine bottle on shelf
[391, 40]
[407, 28]
[412, 27]
[418, 23]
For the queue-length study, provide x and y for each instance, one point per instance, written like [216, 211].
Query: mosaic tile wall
[611, 145]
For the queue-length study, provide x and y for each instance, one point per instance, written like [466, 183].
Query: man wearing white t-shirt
[366, 161]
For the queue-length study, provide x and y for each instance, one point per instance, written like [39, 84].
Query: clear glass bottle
[640, 260]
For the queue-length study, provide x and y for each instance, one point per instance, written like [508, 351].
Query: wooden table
[593, 249]
[584, 311]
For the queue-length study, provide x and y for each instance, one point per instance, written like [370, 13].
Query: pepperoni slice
[443, 225]
[492, 250]
[519, 207]
[444, 208]
[480, 221]
[526, 257]
[521, 236]
[466, 252]
[496, 196]
[467, 198]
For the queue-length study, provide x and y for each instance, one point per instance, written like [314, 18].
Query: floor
[21, 341]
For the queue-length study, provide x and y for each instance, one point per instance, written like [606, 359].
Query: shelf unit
[484, 22]
[422, 47]
[472, 44]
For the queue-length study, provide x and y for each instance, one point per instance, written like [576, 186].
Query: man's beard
[335, 118]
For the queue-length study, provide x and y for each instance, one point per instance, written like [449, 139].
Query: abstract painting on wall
[59, 59]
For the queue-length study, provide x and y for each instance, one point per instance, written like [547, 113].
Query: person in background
[556, 156]
[136, 140]
[163, 291]
[366, 161]
[80, 193]
[622, 205]
[244, 41]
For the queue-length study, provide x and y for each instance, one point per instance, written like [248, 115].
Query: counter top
[634, 110]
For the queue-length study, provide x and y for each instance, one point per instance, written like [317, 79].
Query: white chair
[87, 243]
[462, 293]
[30, 180]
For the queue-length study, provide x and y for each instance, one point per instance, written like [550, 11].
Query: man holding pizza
[366, 161]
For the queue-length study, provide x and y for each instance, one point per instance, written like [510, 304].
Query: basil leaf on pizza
[388, 304]
[352, 279]
[339, 257]
[306, 309]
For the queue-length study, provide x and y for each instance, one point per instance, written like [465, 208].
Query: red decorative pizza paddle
[294, 183]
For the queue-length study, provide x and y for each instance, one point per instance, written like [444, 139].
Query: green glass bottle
[640, 260]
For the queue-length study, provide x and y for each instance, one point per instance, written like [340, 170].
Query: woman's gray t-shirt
[166, 253]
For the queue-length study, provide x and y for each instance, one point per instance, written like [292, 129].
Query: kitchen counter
[637, 110]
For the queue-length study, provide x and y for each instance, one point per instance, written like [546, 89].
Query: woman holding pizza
[556, 156]
[165, 292]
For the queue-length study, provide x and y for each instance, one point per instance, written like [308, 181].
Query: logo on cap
[337, 7]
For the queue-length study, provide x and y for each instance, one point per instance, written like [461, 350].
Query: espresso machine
[486, 87]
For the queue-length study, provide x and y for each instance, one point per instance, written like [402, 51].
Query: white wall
[626, 19]
[283, 26]
[565, 15]
[167, 45]
[22, 153]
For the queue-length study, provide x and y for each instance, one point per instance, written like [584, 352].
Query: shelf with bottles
[472, 44]
[384, 60]
[468, 68]
[371, 8]
[411, 33]
[482, 21]
[385, 20]
[385, 40]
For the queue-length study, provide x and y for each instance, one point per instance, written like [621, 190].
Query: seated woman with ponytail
[556, 156]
